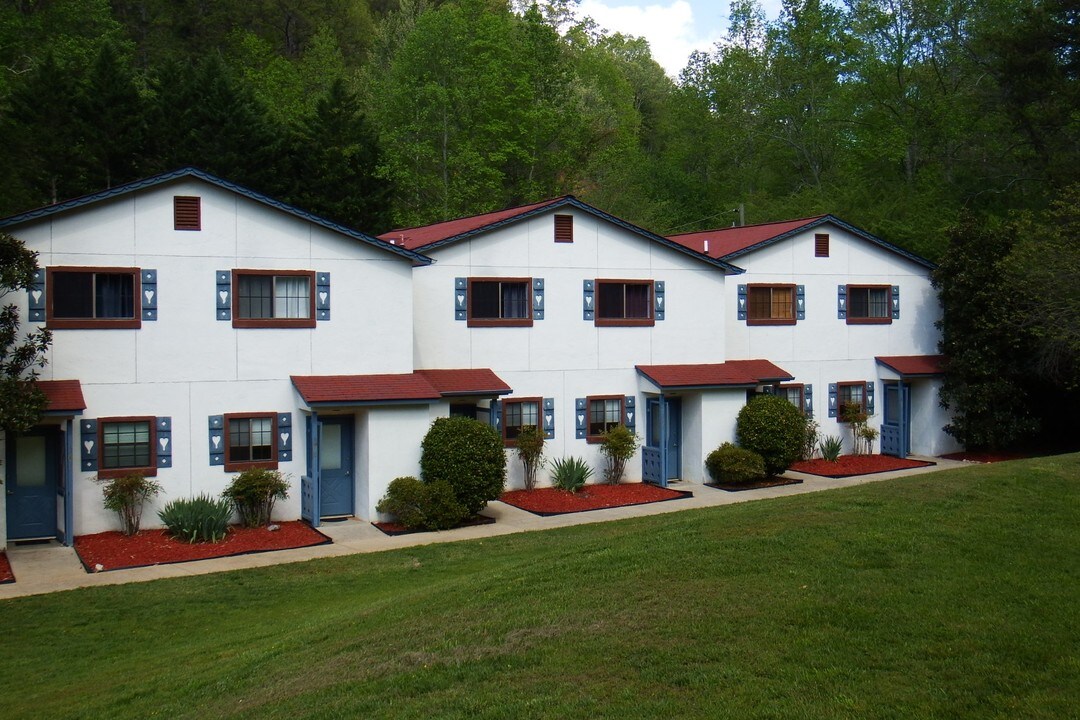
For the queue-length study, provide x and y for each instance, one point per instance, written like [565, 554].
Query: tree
[22, 402]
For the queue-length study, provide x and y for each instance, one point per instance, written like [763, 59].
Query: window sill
[259, 465]
[91, 324]
[113, 473]
[517, 322]
[869, 321]
[624, 322]
[274, 323]
[768, 322]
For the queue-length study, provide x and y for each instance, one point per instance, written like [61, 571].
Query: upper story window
[274, 298]
[519, 414]
[251, 441]
[81, 297]
[624, 302]
[821, 245]
[187, 213]
[770, 305]
[127, 446]
[604, 413]
[499, 302]
[868, 304]
[564, 228]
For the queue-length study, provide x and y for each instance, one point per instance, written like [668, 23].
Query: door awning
[733, 373]
[908, 366]
[64, 397]
[421, 386]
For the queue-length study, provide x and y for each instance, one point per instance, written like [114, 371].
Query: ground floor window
[519, 414]
[127, 446]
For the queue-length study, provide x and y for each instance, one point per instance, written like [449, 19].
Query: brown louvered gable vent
[821, 245]
[564, 228]
[187, 213]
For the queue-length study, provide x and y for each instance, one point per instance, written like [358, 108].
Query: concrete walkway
[50, 568]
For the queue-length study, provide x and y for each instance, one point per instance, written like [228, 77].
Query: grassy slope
[953, 594]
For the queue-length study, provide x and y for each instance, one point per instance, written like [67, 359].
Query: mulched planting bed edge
[6, 575]
[553, 501]
[393, 528]
[852, 465]
[114, 551]
[776, 482]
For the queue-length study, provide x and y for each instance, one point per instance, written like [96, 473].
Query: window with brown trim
[850, 393]
[127, 445]
[605, 412]
[821, 245]
[519, 414]
[770, 305]
[92, 297]
[500, 302]
[274, 298]
[250, 441]
[624, 302]
[187, 213]
[868, 304]
[564, 228]
[793, 394]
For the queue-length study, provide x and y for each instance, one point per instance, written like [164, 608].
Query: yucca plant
[570, 473]
[831, 447]
[198, 519]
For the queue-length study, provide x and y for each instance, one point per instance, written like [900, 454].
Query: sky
[674, 28]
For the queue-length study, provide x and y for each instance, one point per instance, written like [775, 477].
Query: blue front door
[896, 423]
[663, 438]
[31, 484]
[336, 466]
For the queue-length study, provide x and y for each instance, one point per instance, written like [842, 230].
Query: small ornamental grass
[732, 465]
[198, 519]
[570, 473]
[253, 493]
[127, 495]
[831, 447]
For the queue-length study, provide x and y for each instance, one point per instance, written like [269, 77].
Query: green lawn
[949, 595]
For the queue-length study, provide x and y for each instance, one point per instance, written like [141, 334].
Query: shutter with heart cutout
[322, 296]
[149, 294]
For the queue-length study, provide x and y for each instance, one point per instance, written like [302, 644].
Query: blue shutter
[841, 302]
[549, 418]
[216, 437]
[461, 298]
[588, 306]
[36, 297]
[895, 302]
[808, 400]
[658, 293]
[800, 302]
[742, 303]
[832, 399]
[495, 416]
[538, 298]
[581, 417]
[870, 397]
[630, 413]
[224, 294]
[163, 427]
[284, 429]
[322, 296]
[149, 294]
[89, 449]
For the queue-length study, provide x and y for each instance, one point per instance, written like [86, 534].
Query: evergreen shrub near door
[127, 496]
[468, 456]
[253, 493]
[774, 429]
[422, 506]
[732, 465]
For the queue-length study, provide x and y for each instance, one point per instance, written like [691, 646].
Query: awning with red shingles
[914, 365]
[733, 373]
[418, 386]
[65, 396]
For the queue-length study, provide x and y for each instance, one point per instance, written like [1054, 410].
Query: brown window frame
[770, 320]
[526, 321]
[840, 391]
[599, 321]
[147, 470]
[886, 320]
[53, 322]
[241, 465]
[801, 387]
[187, 212]
[273, 322]
[564, 228]
[594, 438]
[512, 441]
[821, 245]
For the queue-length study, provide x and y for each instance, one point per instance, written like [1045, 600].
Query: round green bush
[732, 465]
[468, 456]
[253, 493]
[420, 506]
[774, 429]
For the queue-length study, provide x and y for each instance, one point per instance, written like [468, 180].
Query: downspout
[69, 484]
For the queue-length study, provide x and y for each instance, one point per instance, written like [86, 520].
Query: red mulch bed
[768, 483]
[393, 528]
[552, 501]
[849, 465]
[6, 576]
[986, 456]
[114, 551]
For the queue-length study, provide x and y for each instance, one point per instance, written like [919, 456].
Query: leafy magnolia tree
[21, 401]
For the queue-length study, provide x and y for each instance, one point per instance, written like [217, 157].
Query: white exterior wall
[188, 365]
[390, 438]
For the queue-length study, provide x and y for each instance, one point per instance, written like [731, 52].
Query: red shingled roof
[725, 241]
[419, 385]
[419, 237]
[914, 364]
[64, 395]
[732, 372]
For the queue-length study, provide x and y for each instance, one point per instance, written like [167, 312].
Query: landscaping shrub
[856, 418]
[253, 493]
[127, 496]
[197, 519]
[530, 450]
[468, 456]
[733, 465]
[774, 429]
[811, 440]
[619, 445]
[570, 473]
[831, 447]
[422, 506]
